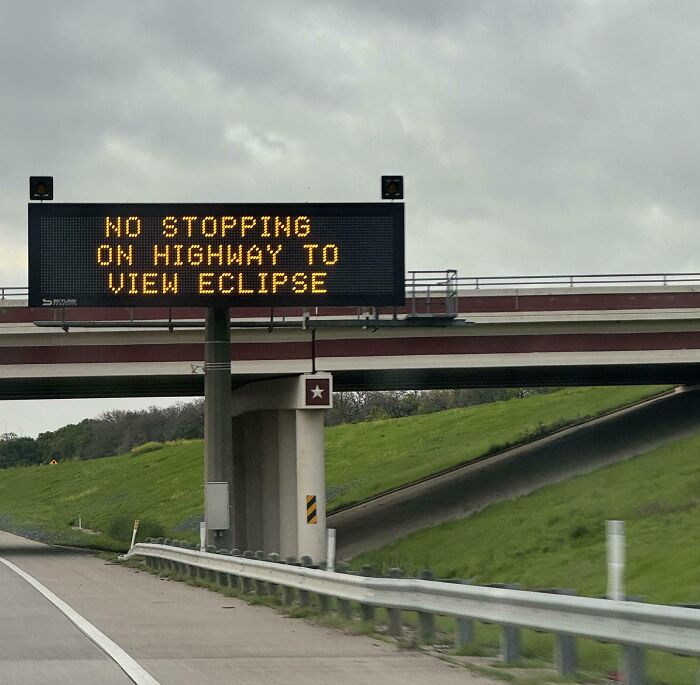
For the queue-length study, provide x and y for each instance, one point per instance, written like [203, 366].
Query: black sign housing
[177, 255]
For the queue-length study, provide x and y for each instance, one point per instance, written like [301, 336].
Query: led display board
[143, 255]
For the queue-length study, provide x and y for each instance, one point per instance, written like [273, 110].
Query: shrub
[121, 528]
[145, 448]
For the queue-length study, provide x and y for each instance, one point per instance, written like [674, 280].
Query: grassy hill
[165, 485]
[365, 459]
[555, 537]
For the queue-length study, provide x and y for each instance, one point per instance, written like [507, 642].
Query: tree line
[113, 432]
[117, 432]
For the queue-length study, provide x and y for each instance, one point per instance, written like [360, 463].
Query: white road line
[114, 651]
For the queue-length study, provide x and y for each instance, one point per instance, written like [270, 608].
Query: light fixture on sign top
[392, 187]
[41, 187]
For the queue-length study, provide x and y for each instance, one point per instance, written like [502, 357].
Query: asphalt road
[38, 644]
[517, 472]
[179, 634]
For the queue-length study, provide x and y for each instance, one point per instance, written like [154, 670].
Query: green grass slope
[165, 484]
[556, 538]
[365, 459]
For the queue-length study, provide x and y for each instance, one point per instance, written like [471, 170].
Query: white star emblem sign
[316, 392]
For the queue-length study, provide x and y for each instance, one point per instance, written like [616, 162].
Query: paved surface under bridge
[179, 634]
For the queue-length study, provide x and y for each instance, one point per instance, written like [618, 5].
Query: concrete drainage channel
[632, 625]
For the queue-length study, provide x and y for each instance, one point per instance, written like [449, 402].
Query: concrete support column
[288, 491]
[311, 483]
[218, 462]
[238, 493]
[270, 479]
[279, 493]
[256, 498]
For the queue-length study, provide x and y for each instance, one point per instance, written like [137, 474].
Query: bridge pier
[277, 490]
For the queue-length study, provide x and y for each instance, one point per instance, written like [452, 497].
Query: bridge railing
[427, 281]
[13, 292]
[634, 626]
[441, 287]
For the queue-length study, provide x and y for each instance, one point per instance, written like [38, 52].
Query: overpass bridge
[453, 333]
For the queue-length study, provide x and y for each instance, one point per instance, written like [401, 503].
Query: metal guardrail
[637, 625]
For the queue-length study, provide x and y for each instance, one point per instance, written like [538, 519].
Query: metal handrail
[6, 292]
[446, 282]
[665, 628]
[431, 278]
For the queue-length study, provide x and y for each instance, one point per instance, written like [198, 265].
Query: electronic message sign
[142, 255]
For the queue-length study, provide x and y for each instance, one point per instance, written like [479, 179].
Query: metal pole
[616, 559]
[330, 563]
[218, 451]
[202, 536]
[133, 535]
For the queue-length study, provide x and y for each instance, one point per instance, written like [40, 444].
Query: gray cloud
[535, 137]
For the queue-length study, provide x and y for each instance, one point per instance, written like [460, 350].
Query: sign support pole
[218, 449]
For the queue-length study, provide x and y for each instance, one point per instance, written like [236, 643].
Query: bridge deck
[524, 336]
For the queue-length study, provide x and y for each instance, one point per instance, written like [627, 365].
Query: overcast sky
[535, 136]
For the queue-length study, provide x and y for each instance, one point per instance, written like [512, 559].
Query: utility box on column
[216, 510]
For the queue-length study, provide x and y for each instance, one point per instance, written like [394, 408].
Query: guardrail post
[633, 658]
[222, 576]
[367, 611]
[633, 665]
[344, 605]
[260, 588]
[426, 621]
[247, 587]
[465, 626]
[465, 632]
[395, 627]
[233, 579]
[565, 654]
[210, 575]
[166, 564]
[510, 644]
[324, 602]
[157, 563]
[306, 562]
[510, 635]
[288, 592]
[273, 588]
[182, 566]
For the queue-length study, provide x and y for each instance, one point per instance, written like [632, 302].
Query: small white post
[202, 536]
[616, 559]
[80, 523]
[330, 563]
[133, 535]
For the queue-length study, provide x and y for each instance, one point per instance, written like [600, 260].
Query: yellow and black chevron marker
[311, 514]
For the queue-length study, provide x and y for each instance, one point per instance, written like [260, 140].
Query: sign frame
[395, 296]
